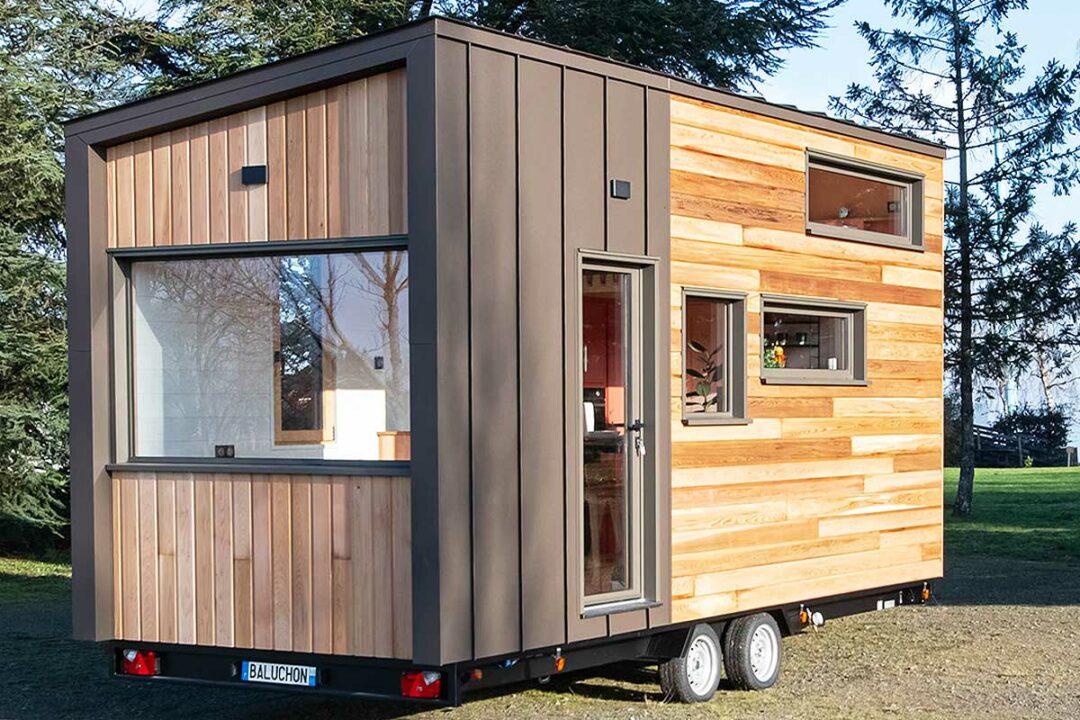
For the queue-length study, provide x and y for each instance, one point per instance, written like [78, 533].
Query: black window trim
[736, 302]
[914, 182]
[122, 350]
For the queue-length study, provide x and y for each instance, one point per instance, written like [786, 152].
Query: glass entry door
[613, 434]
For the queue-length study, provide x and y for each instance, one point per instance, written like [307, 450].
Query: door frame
[643, 493]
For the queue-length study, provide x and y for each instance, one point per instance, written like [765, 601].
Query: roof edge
[246, 84]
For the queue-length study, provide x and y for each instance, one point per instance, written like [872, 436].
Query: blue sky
[1049, 29]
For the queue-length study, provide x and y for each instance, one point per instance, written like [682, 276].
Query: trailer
[442, 359]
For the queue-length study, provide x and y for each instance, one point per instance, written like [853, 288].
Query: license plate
[277, 673]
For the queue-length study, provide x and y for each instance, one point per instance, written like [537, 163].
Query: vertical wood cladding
[543, 140]
[277, 562]
[830, 489]
[335, 162]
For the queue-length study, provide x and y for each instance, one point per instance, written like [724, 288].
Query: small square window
[852, 200]
[806, 341]
[714, 357]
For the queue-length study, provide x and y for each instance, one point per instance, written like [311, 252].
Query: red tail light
[139, 662]
[421, 684]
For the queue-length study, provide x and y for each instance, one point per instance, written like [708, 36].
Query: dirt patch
[1002, 641]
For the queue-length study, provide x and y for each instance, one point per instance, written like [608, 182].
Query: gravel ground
[1001, 642]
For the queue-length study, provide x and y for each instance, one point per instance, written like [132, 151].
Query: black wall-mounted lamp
[253, 175]
[620, 189]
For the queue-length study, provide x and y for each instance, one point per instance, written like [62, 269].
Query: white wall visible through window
[225, 352]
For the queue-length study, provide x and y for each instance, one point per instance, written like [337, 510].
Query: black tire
[753, 652]
[694, 676]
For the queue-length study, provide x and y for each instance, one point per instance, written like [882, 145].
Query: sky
[1049, 29]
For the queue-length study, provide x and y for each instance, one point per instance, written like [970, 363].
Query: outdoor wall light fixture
[620, 189]
[253, 175]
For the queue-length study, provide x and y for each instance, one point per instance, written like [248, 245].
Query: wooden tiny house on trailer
[443, 358]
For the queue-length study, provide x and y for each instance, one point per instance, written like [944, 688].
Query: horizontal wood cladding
[335, 162]
[831, 489]
[277, 562]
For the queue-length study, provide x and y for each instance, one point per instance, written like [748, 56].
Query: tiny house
[443, 358]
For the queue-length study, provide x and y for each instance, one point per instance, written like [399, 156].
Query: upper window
[852, 200]
[714, 357]
[808, 341]
[297, 356]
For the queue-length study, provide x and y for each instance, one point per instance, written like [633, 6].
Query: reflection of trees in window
[302, 365]
[221, 327]
[211, 315]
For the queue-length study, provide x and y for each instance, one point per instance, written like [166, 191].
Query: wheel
[752, 652]
[695, 675]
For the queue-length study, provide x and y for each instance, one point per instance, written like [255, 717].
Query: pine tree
[58, 58]
[728, 43]
[957, 76]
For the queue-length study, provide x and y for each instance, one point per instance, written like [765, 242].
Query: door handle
[636, 426]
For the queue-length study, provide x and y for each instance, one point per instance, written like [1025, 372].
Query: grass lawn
[1030, 514]
[23, 579]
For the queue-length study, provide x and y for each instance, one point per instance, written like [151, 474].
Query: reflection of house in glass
[290, 356]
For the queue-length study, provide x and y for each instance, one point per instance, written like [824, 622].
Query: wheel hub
[763, 652]
[701, 663]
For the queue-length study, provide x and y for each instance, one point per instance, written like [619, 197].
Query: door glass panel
[605, 342]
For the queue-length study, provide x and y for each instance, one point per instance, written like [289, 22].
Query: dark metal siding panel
[626, 161]
[658, 244]
[625, 148]
[584, 193]
[494, 333]
[437, 323]
[543, 611]
[455, 470]
[423, 379]
[88, 387]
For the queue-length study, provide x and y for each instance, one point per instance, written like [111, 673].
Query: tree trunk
[966, 485]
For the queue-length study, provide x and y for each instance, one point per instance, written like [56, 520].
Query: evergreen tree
[728, 43]
[58, 58]
[957, 76]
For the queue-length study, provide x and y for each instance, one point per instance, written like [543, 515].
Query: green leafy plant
[705, 397]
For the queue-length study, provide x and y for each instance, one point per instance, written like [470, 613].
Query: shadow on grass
[20, 588]
[989, 580]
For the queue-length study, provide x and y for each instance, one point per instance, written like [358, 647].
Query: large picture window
[853, 200]
[288, 356]
[714, 357]
[808, 341]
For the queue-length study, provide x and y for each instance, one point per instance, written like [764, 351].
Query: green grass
[1030, 514]
[23, 579]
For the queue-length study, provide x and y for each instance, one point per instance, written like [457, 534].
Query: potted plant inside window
[706, 381]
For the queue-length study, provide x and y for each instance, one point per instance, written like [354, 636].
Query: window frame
[855, 341]
[121, 358]
[913, 183]
[328, 391]
[737, 346]
[644, 590]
